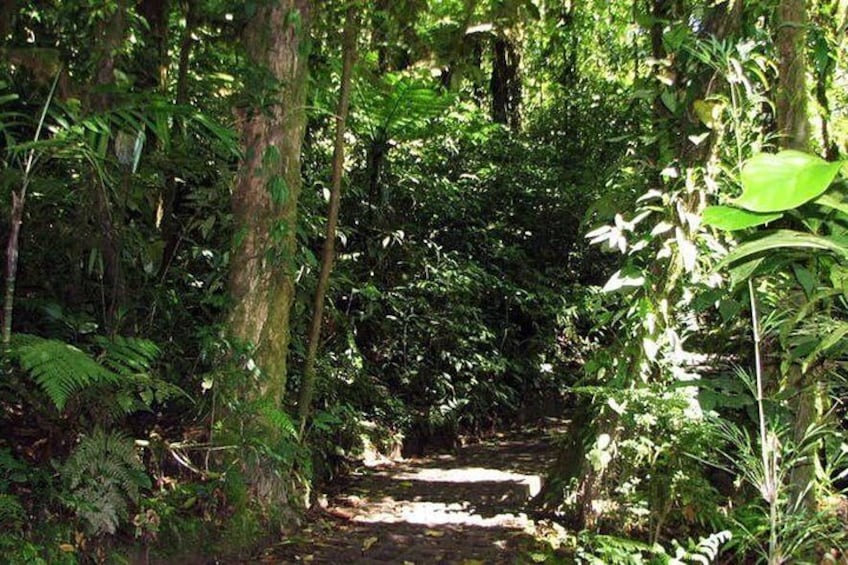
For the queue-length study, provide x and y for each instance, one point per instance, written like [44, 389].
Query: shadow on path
[466, 508]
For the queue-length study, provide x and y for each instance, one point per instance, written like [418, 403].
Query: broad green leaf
[783, 181]
[783, 239]
[730, 218]
[833, 201]
[834, 338]
[625, 278]
[805, 278]
[729, 309]
[743, 271]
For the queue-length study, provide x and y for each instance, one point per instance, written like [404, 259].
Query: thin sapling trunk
[17, 217]
[307, 388]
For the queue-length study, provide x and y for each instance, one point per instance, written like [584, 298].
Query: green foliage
[12, 514]
[783, 181]
[465, 296]
[103, 476]
[122, 371]
[60, 369]
[796, 531]
[401, 108]
[605, 549]
[731, 219]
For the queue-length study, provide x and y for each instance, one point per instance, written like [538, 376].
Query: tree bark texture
[791, 97]
[186, 44]
[8, 11]
[155, 13]
[112, 33]
[329, 250]
[505, 83]
[794, 130]
[265, 198]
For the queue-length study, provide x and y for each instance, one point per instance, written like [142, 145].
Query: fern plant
[12, 514]
[103, 476]
[613, 550]
[117, 381]
[58, 368]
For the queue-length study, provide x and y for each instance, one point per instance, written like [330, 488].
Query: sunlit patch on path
[464, 508]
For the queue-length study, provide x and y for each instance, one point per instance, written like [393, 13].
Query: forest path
[467, 508]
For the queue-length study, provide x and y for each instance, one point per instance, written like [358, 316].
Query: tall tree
[265, 198]
[794, 130]
[329, 250]
[112, 32]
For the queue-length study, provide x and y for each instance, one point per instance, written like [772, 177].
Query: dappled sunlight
[438, 514]
[475, 496]
[473, 475]
[445, 508]
[484, 485]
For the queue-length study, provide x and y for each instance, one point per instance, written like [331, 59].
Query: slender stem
[307, 387]
[17, 217]
[769, 488]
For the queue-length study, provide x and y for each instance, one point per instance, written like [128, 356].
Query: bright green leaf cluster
[771, 185]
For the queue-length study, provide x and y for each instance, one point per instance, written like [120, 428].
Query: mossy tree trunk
[793, 127]
[264, 201]
[791, 97]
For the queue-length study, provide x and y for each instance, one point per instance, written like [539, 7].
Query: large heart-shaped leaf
[783, 181]
[730, 218]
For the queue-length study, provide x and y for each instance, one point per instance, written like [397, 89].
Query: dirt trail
[467, 508]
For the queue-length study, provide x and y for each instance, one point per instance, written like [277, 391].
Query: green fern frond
[403, 108]
[128, 356]
[12, 514]
[705, 551]
[278, 419]
[103, 474]
[59, 369]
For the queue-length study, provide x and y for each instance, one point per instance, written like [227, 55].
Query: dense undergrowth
[524, 233]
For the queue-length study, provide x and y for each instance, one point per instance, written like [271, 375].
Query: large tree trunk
[155, 57]
[791, 98]
[794, 129]
[505, 83]
[265, 198]
[112, 33]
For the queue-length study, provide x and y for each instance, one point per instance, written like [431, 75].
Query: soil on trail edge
[467, 508]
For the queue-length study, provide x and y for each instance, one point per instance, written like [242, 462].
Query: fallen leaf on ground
[366, 545]
[434, 533]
